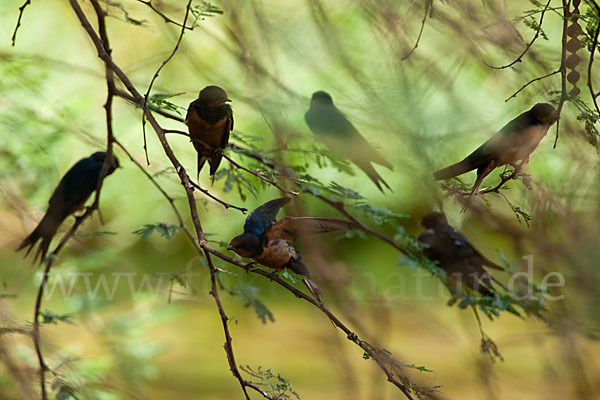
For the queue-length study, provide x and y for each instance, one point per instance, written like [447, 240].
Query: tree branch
[13, 39]
[145, 105]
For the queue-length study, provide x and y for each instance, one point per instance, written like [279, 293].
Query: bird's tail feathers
[374, 175]
[201, 161]
[453, 170]
[313, 289]
[44, 231]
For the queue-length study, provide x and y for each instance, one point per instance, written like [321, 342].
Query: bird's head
[433, 219]
[321, 97]
[246, 245]
[545, 113]
[113, 164]
[213, 96]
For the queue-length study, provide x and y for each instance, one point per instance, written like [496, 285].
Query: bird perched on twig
[210, 119]
[266, 239]
[511, 145]
[461, 261]
[338, 133]
[73, 190]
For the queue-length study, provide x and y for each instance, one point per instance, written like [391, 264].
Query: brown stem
[21, 10]
[563, 66]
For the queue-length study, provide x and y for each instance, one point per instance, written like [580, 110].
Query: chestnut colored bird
[266, 239]
[461, 261]
[73, 190]
[512, 145]
[210, 119]
[331, 126]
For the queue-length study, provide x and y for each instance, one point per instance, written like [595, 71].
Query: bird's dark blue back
[77, 184]
[263, 217]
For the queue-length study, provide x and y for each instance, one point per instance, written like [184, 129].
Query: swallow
[73, 190]
[511, 145]
[210, 119]
[461, 261]
[266, 240]
[328, 123]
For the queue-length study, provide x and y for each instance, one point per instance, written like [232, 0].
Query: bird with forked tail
[337, 132]
[266, 239]
[73, 190]
[210, 119]
[461, 261]
[512, 145]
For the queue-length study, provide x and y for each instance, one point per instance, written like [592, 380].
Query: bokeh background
[163, 338]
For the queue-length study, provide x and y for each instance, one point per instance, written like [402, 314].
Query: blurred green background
[163, 340]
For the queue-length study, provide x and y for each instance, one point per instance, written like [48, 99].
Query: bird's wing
[291, 228]
[466, 250]
[191, 107]
[75, 187]
[263, 217]
[227, 128]
[337, 131]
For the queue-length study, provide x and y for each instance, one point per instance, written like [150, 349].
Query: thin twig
[214, 292]
[427, 11]
[537, 34]
[340, 207]
[530, 82]
[259, 176]
[164, 17]
[21, 10]
[145, 105]
[223, 203]
[130, 98]
[38, 301]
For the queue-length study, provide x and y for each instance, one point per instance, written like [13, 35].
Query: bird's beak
[227, 100]
[231, 247]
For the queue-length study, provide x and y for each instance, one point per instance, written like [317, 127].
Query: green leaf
[166, 230]
[249, 295]
[49, 317]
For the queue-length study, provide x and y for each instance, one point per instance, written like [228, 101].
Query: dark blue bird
[73, 190]
[266, 239]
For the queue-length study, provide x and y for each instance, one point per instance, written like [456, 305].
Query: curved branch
[537, 34]
[530, 82]
[427, 11]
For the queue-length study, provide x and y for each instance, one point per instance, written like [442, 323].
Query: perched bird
[266, 239]
[210, 119]
[461, 261]
[73, 190]
[338, 133]
[512, 145]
